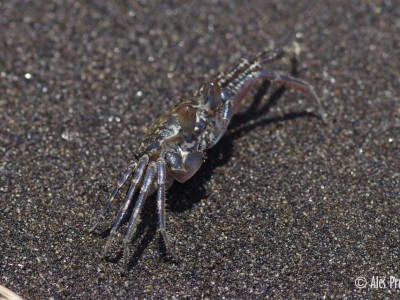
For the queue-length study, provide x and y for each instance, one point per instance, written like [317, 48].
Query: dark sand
[283, 207]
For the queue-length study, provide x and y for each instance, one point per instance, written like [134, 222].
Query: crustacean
[173, 147]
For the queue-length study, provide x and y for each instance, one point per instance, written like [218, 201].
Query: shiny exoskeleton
[173, 147]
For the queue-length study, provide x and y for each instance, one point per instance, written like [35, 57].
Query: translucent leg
[115, 191]
[148, 181]
[295, 84]
[137, 178]
[161, 181]
[227, 113]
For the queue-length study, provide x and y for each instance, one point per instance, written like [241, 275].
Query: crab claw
[191, 165]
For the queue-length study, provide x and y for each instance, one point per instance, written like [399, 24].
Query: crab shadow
[183, 196]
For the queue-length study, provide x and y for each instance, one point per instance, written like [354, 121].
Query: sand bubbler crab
[173, 147]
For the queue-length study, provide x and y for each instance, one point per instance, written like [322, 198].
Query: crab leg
[161, 180]
[285, 80]
[264, 59]
[148, 182]
[137, 178]
[111, 200]
[296, 84]
[226, 116]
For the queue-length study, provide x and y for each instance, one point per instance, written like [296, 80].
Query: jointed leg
[285, 80]
[111, 200]
[226, 116]
[137, 178]
[148, 181]
[270, 55]
[237, 100]
[296, 84]
[161, 180]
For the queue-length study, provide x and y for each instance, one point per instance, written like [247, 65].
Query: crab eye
[212, 95]
[187, 117]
